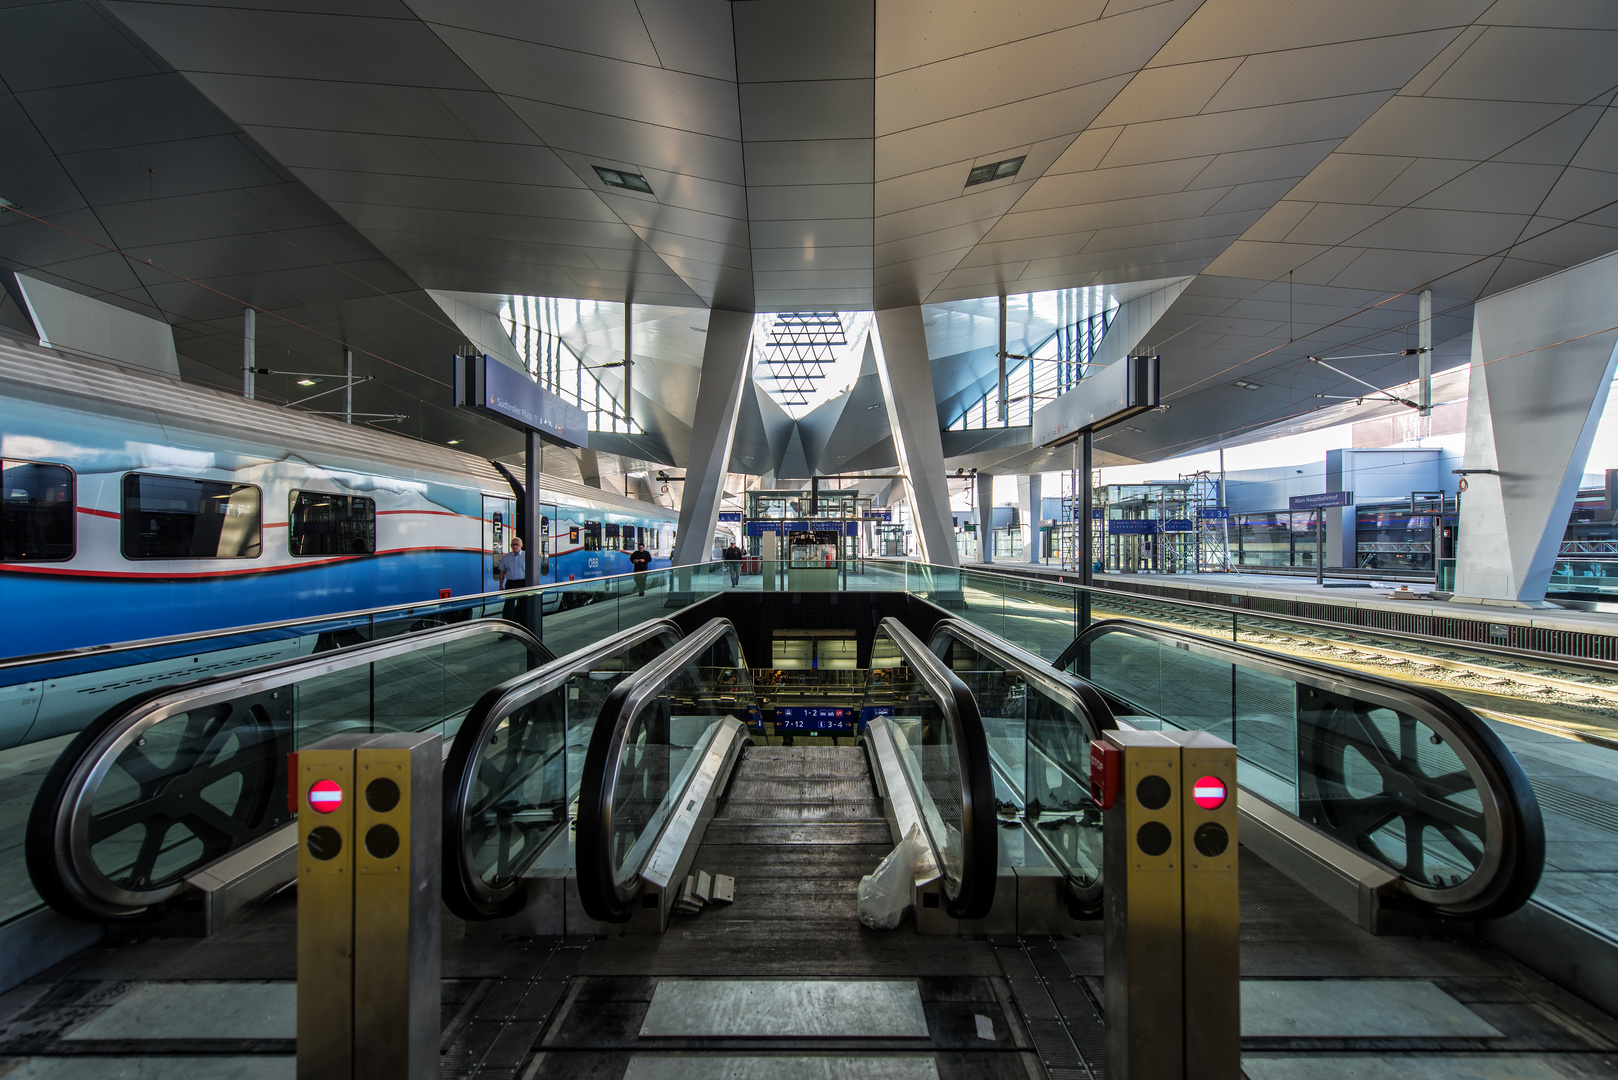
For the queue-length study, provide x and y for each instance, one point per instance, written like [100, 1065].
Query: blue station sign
[1140, 527]
[1323, 501]
[1214, 513]
[501, 392]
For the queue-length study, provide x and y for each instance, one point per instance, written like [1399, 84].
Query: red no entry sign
[325, 796]
[1208, 793]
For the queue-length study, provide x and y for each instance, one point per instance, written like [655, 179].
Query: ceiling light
[999, 170]
[1247, 385]
[870, 407]
[1136, 430]
[620, 178]
[307, 382]
[455, 442]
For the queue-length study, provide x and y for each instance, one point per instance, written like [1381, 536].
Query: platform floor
[1322, 1000]
[1348, 591]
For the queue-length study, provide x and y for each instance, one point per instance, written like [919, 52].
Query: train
[136, 506]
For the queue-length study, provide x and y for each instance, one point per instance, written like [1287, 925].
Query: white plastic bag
[890, 890]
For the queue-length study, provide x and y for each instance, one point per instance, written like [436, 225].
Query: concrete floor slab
[1356, 1009]
[785, 1008]
[670, 1067]
[214, 1010]
[1448, 1067]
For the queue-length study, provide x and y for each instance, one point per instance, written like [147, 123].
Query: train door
[499, 519]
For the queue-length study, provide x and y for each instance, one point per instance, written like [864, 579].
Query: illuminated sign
[501, 392]
[1209, 793]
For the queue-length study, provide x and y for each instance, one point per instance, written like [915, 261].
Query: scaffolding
[1212, 531]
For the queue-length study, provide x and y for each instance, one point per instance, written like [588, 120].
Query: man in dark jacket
[640, 560]
[733, 563]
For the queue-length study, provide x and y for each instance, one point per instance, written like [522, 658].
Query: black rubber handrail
[604, 897]
[238, 725]
[1088, 707]
[1520, 856]
[465, 892]
[980, 834]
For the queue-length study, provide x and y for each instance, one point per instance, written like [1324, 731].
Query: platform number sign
[498, 521]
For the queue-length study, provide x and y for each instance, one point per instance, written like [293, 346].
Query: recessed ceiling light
[869, 407]
[455, 442]
[307, 382]
[999, 170]
[1136, 430]
[620, 178]
[1247, 385]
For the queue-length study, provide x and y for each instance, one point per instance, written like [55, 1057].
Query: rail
[944, 753]
[166, 784]
[515, 765]
[1405, 776]
[1039, 723]
[652, 734]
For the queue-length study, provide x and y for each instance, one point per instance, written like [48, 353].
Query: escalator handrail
[1507, 797]
[1082, 699]
[980, 835]
[467, 895]
[605, 898]
[57, 848]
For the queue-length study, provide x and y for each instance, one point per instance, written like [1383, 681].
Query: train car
[135, 506]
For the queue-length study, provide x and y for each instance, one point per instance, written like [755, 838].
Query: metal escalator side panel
[636, 754]
[511, 770]
[159, 788]
[1400, 773]
[948, 767]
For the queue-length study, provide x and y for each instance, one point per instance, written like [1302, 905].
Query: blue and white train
[134, 506]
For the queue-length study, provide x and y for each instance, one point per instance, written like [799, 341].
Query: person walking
[733, 563]
[640, 560]
[512, 573]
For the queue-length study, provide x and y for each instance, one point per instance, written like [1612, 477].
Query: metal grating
[1059, 1015]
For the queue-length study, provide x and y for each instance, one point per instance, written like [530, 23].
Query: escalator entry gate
[369, 856]
[1173, 981]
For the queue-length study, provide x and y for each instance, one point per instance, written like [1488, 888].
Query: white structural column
[900, 344]
[985, 517]
[1031, 499]
[1542, 360]
[726, 362]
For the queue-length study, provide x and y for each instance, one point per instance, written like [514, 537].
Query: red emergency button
[325, 796]
[1209, 793]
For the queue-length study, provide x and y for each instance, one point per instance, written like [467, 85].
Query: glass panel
[36, 512]
[175, 517]
[927, 751]
[527, 771]
[661, 742]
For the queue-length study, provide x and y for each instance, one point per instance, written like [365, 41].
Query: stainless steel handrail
[980, 838]
[467, 894]
[604, 894]
[58, 841]
[1514, 840]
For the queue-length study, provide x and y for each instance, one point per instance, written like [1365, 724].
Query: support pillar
[985, 517]
[726, 362]
[1543, 357]
[249, 351]
[348, 386]
[1033, 512]
[900, 345]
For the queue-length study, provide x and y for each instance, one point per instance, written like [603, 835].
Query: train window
[174, 517]
[36, 512]
[322, 524]
[592, 536]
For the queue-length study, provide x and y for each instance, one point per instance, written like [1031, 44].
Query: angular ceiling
[1310, 165]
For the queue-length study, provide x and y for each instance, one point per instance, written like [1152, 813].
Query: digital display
[815, 718]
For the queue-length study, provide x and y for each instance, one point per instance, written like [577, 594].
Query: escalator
[1376, 794]
[799, 825]
[180, 793]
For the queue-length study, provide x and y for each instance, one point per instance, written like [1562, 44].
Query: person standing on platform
[733, 563]
[640, 560]
[512, 573]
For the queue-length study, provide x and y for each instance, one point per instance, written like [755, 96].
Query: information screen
[831, 720]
